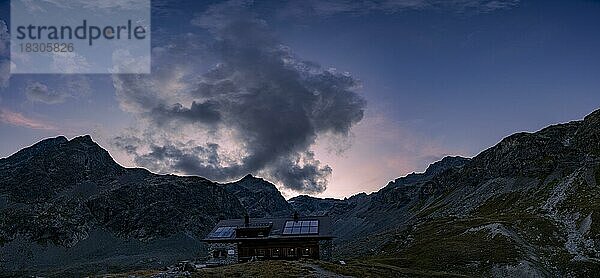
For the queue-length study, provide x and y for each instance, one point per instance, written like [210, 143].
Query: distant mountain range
[528, 206]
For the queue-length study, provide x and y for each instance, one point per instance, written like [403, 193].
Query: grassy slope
[257, 269]
[448, 246]
[354, 268]
[304, 268]
[445, 244]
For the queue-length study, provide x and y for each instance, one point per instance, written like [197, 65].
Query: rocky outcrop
[447, 163]
[59, 192]
[528, 206]
[259, 197]
[312, 206]
[363, 215]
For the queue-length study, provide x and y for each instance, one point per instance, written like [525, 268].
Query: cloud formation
[18, 119]
[258, 109]
[333, 7]
[38, 92]
[68, 86]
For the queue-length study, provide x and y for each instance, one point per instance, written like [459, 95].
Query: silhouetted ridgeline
[527, 206]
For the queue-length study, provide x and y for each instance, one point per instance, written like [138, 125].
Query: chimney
[246, 220]
[296, 216]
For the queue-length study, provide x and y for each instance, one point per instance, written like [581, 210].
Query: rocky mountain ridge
[532, 199]
[61, 193]
[527, 206]
[365, 214]
[259, 197]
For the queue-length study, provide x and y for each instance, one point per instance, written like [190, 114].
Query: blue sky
[438, 78]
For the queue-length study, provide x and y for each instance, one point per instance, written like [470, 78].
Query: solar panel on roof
[302, 227]
[223, 232]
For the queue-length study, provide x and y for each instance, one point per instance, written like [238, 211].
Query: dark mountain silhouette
[528, 206]
[58, 196]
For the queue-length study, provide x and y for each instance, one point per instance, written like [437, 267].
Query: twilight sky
[328, 98]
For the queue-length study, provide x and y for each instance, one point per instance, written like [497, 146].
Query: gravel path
[318, 271]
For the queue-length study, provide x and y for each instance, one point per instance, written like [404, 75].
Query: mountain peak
[56, 164]
[445, 164]
[53, 141]
[248, 177]
[39, 147]
[83, 138]
[260, 197]
[58, 139]
[433, 170]
[251, 182]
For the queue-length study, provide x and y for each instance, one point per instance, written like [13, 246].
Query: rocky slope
[363, 215]
[66, 205]
[528, 206]
[259, 197]
[312, 206]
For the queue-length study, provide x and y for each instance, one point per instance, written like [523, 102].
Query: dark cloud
[198, 160]
[302, 173]
[206, 112]
[259, 109]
